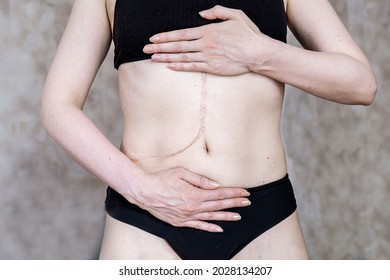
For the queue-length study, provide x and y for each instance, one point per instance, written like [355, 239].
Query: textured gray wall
[51, 209]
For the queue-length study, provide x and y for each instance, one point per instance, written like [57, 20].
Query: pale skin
[213, 124]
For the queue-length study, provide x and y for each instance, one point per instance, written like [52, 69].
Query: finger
[226, 193]
[211, 206]
[217, 216]
[177, 57]
[203, 226]
[199, 181]
[172, 47]
[187, 34]
[219, 12]
[191, 67]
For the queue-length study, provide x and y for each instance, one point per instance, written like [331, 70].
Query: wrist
[262, 54]
[134, 185]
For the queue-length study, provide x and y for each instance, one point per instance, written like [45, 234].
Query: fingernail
[245, 193]
[147, 49]
[246, 202]
[218, 229]
[154, 38]
[215, 184]
[202, 13]
[236, 217]
[156, 56]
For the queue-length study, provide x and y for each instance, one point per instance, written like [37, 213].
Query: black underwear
[270, 204]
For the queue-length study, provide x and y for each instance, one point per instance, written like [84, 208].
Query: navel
[206, 147]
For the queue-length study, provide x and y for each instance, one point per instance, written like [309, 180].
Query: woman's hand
[184, 199]
[218, 48]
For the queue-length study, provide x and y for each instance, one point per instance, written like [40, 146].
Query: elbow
[362, 85]
[364, 90]
[368, 92]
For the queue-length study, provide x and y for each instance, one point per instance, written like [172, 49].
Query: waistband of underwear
[270, 185]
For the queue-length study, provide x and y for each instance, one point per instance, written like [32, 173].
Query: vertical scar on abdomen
[203, 110]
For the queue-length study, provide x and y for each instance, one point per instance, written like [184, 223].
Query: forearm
[332, 76]
[79, 137]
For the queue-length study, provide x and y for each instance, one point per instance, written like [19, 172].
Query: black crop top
[135, 21]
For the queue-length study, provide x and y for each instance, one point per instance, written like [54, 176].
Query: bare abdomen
[225, 128]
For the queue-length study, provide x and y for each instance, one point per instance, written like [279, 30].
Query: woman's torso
[225, 128]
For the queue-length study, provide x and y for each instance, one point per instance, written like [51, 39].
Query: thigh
[123, 241]
[283, 241]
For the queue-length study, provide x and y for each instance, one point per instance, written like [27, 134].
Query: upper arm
[317, 27]
[82, 49]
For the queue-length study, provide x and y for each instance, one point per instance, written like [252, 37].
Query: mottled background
[52, 209]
